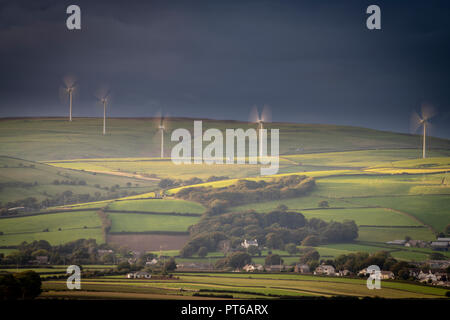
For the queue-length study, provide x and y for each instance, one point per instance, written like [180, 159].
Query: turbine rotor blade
[254, 115]
[266, 115]
[416, 122]
[427, 111]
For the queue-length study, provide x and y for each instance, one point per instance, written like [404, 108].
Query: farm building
[139, 275]
[325, 269]
[253, 267]
[387, 275]
[397, 242]
[275, 268]
[417, 243]
[301, 268]
[249, 243]
[343, 273]
[151, 262]
[441, 244]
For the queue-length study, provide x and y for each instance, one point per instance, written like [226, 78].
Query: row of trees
[63, 198]
[273, 230]
[173, 183]
[78, 252]
[239, 259]
[247, 191]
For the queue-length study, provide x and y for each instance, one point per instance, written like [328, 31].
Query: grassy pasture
[42, 177]
[363, 216]
[437, 160]
[375, 234]
[72, 224]
[431, 209]
[57, 139]
[310, 201]
[404, 158]
[258, 284]
[158, 205]
[135, 222]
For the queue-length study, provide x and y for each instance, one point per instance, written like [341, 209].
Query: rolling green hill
[369, 176]
[56, 138]
[22, 178]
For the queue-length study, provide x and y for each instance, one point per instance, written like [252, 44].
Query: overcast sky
[311, 61]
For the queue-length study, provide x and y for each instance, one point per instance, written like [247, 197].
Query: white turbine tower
[69, 87]
[162, 127]
[104, 102]
[260, 118]
[103, 97]
[423, 120]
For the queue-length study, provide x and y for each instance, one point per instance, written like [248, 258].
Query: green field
[158, 205]
[371, 158]
[136, 222]
[57, 139]
[387, 234]
[16, 172]
[244, 286]
[73, 225]
[363, 216]
[359, 172]
[431, 209]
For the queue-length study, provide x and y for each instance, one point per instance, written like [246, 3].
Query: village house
[438, 264]
[301, 268]
[102, 252]
[343, 273]
[397, 242]
[139, 275]
[151, 262]
[385, 275]
[414, 272]
[426, 276]
[248, 243]
[441, 244]
[325, 269]
[275, 268]
[417, 244]
[253, 267]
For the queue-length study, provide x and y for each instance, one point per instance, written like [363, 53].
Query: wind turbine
[423, 120]
[162, 126]
[103, 97]
[104, 101]
[260, 118]
[69, 87]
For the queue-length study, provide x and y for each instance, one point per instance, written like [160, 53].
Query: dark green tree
[291, 248]
[202, 252]
[239, 259]
[30, 284]
[273, 259]
[170, 265]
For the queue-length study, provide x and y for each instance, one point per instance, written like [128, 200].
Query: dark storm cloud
[312, 61]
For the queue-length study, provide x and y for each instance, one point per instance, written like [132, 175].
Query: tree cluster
[77, 252]
[355, 262]
[173, 183]
[23, 285]
[248, 191]
[274, 230]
